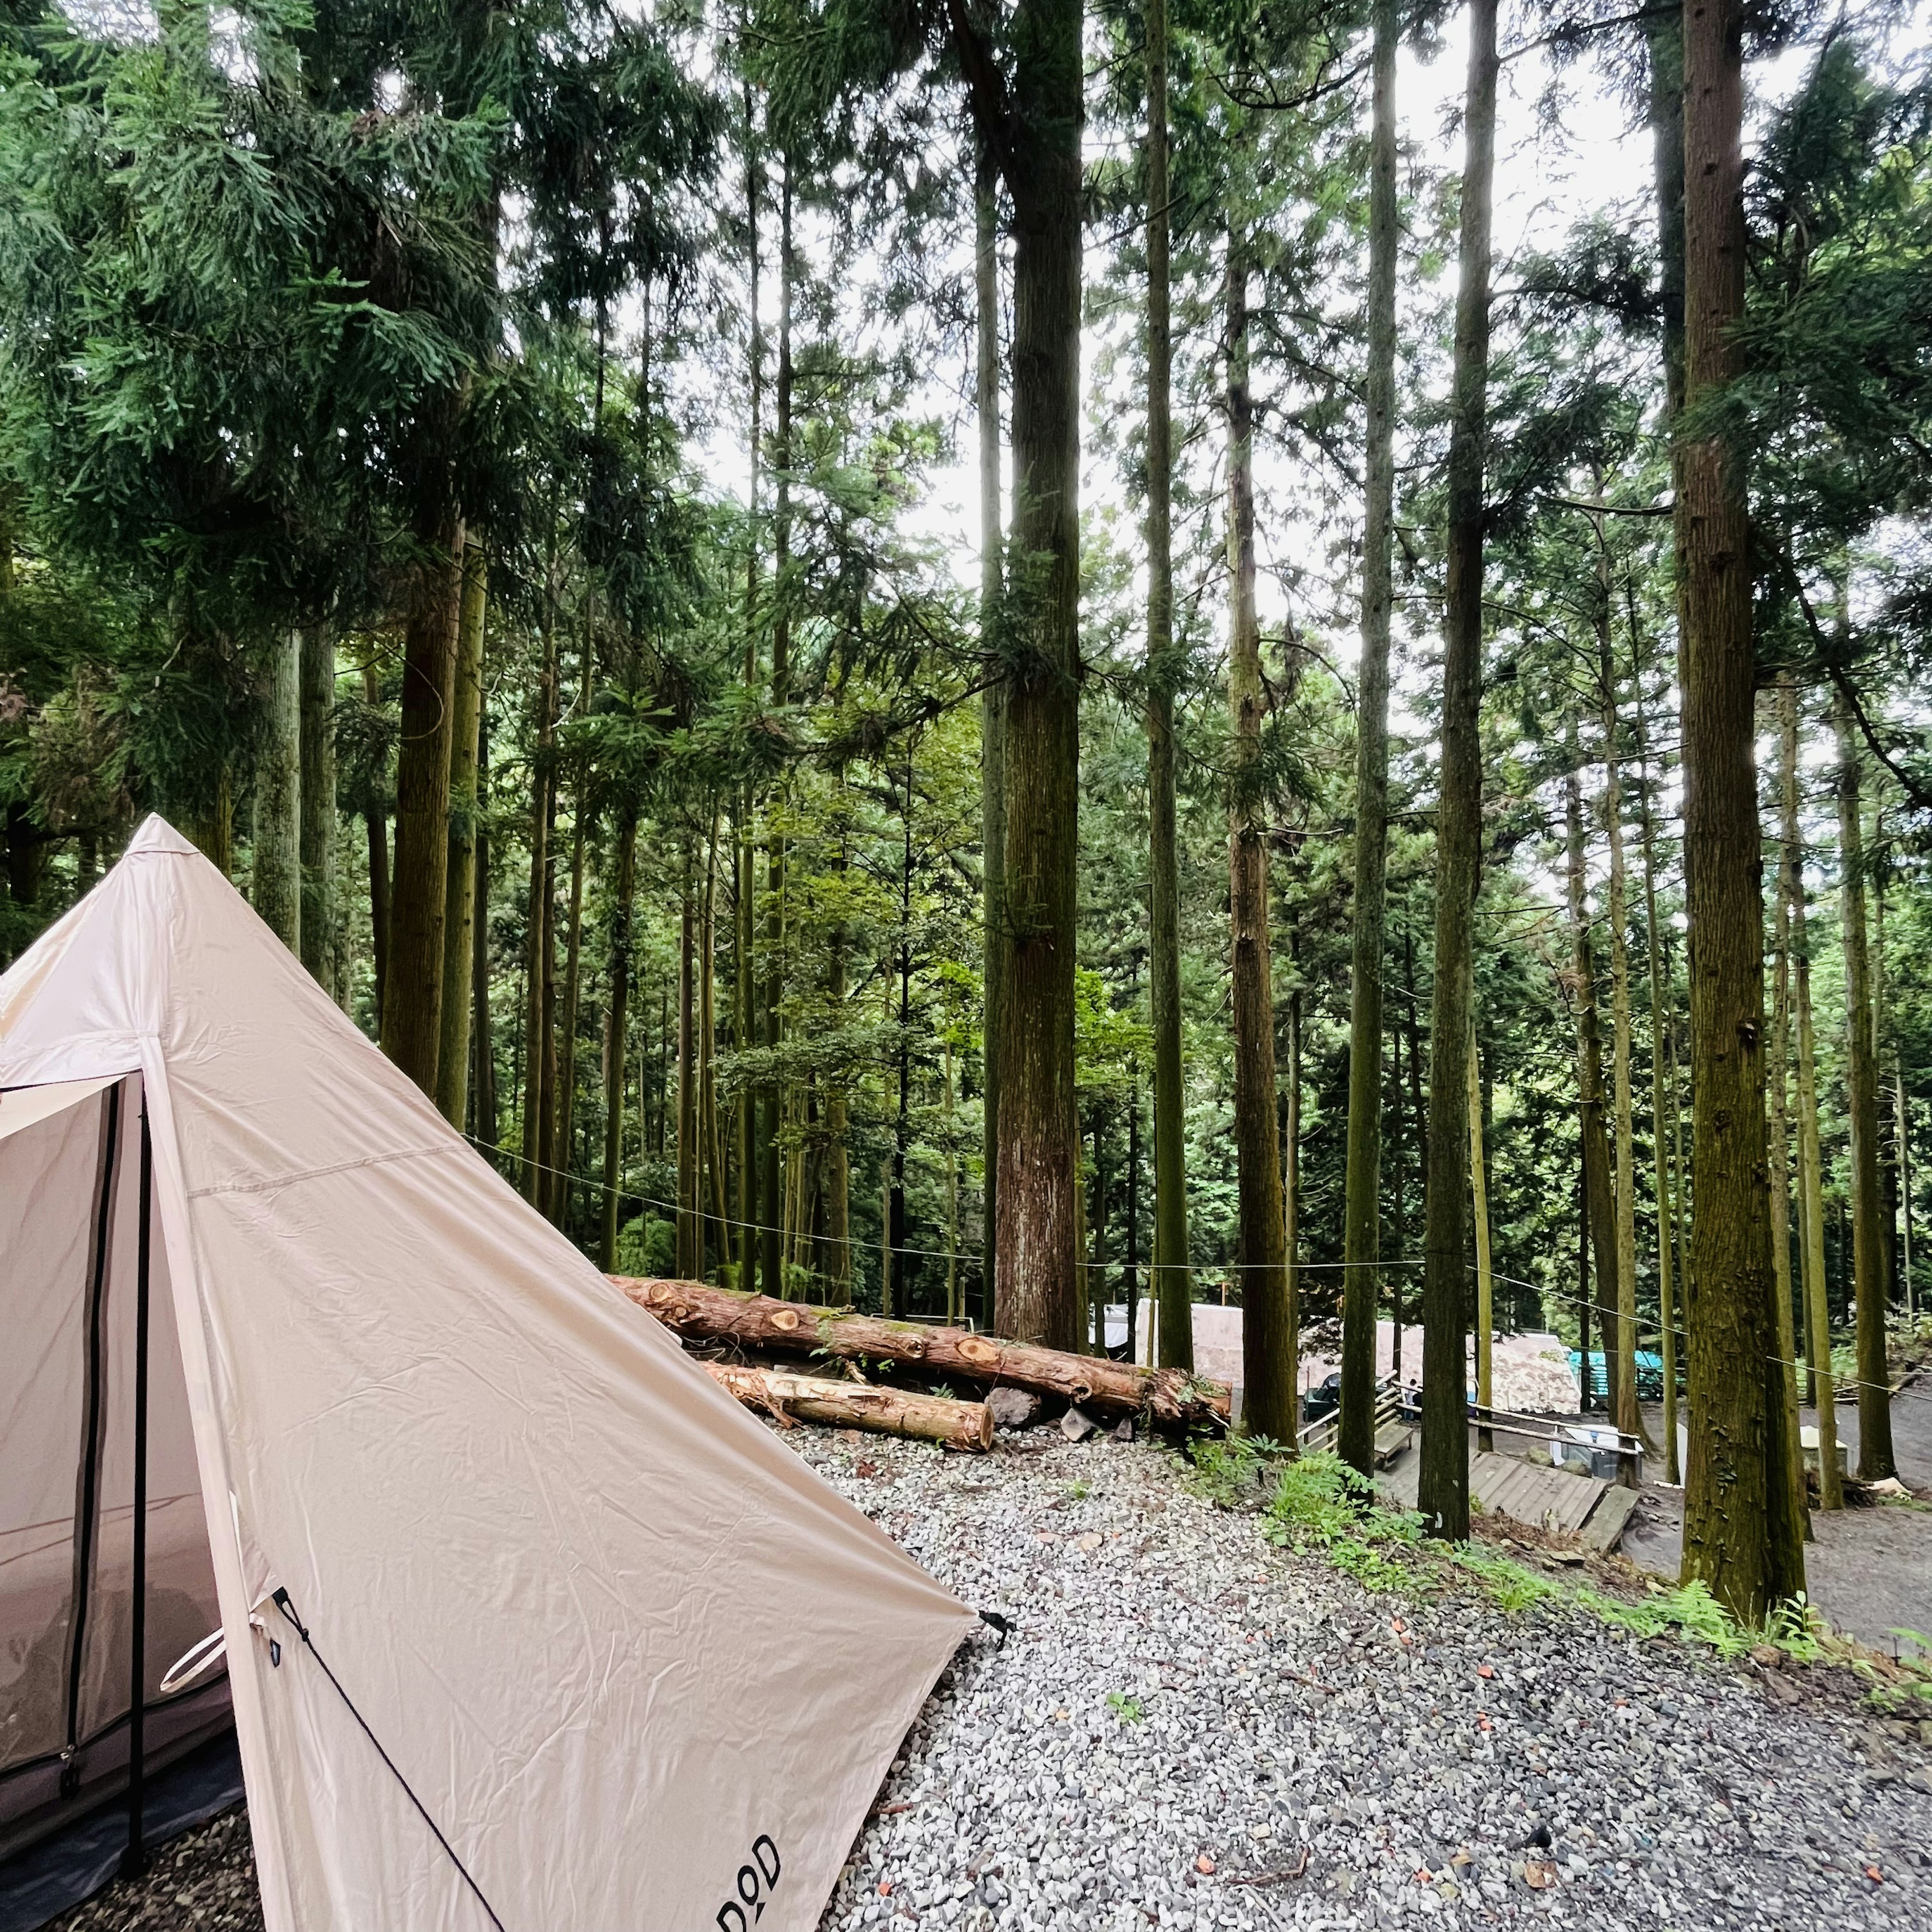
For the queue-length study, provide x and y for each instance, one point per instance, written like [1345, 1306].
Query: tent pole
[134, 1859]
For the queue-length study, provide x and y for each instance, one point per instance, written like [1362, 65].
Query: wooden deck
[1529, 1493]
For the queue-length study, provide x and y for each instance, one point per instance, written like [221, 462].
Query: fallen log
[701, 1313]
[932, 1418]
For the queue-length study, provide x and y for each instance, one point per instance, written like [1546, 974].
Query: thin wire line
[1684, 1335]
[1193, 1268]
[932, 1254]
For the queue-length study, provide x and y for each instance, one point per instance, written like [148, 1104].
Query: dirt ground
[1869, 1570]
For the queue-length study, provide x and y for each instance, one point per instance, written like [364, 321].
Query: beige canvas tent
[623, 1661]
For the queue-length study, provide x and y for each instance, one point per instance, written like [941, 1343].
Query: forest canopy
[991, 661]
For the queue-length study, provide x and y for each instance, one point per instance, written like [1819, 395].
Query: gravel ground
[1189, 1727]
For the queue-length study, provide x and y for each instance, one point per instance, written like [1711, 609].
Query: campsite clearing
[1177, 1693]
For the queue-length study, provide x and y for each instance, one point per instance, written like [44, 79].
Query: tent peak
[157, 835]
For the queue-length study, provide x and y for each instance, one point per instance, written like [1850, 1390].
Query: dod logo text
[757, 1878]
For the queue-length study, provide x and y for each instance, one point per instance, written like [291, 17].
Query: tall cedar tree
[1032, 126]
[1268, 1374]
[1868, 1256]
[1173, 1284]
[1443, 1487]
[1740, 1537]
[992, 724]
[1362, 1209]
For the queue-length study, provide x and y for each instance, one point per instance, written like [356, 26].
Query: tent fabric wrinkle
[637, 1664]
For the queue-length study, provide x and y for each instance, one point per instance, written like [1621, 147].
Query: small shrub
[1320, 1503]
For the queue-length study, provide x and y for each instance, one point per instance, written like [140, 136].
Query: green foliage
[1127, 1709]
[1902, 1684]
[1512, 1585]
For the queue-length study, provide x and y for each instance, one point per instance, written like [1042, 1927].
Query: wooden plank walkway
[1529, 1493]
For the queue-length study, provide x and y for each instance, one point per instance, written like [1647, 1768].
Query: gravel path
[1185, 1717]
[1282, 1711]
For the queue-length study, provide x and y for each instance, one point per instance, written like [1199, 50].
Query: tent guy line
[287, 1608]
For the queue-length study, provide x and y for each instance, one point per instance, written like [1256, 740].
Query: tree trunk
[1170, 1397]
[1628, 1417]
[1659, 1023]
[1418, 1112]
[1876, 1462]
[1173, 1285]
[562, 1176]
[1035, 132]
[1130, 1270]
[837, 1244]
[1592, 1129]
[690, 1261]
[483, 1038]
[1583, 1244]
[321, 915]
[1680, 1169]
[278, 884]
[1777, 1138]
[412, 991]
[745, 1002]
[1902, 1143]
[1360, 1229]
[712, 1134]
[1291, 1208]
[1811, 1167]
[1740, 1536]
[885, 1411]
[1479, 1196]
[771, 1256]
[212, 830]
[1443, 1486]
[1664, 33]
[452, 1072]
[992, 723]
[376, 821]
[540, 948]
[896, 1195]
[617, 1021]
[1268, 1374]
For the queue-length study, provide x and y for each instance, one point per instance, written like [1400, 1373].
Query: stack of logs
[757, 1325]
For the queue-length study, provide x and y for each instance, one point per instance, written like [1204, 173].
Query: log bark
[699, 1313]
[795, 1399]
